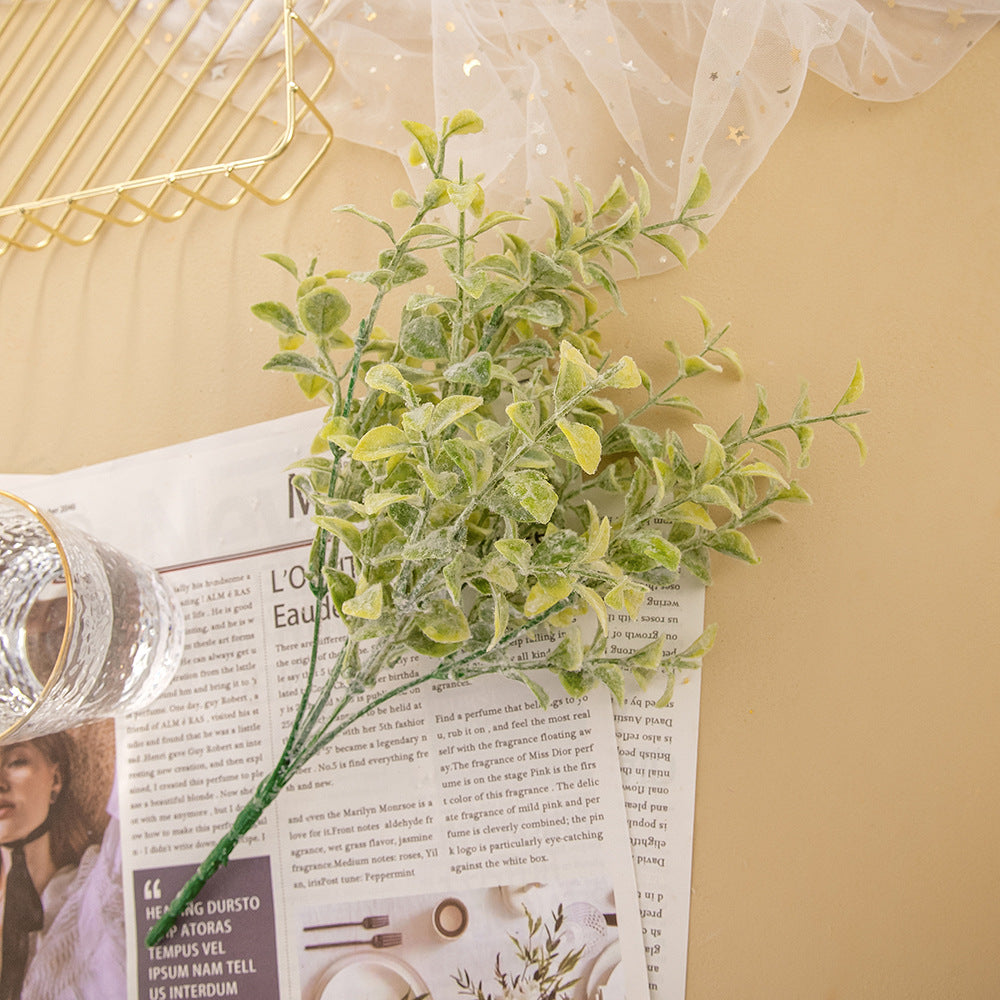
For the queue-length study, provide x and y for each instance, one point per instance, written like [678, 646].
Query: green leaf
[669, 243]
[282, 261]
[575, 374]
[701, 645]
[596, 604]
[427, 140]
[546, 592]
[541, 695]
[644, 200]
[524, 416]
[339, 431]
[346, 531]
[733, 543]
[525, 495]
[763, 470]
[585, 442]
[706, 322]
[324, 310]
[341, 587]
[403, 199]
[368, 217]
[689, 512]
[450, 410]
[476, 370]
[577, 684]
[762, 413]
[281, 318]
[805, 434]
[546, 272]
[423, 337]
[854, 390]
[648, 657]
[543, 312]
[384, 441]
[465, 122]
[388, 378]
[568, 654]
[616, 199]
[613, 678]
[442, 621]
[776, 447]
[645, 551]
[855, 432]
[516, 551]
[701, 192]
[664, 700]
[714, 458]
[627, 596]
[367, 604]
[623, 374]
[292, 361]
[489, 222]
[466, 196]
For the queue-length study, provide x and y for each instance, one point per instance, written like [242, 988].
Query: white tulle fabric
[587, 89]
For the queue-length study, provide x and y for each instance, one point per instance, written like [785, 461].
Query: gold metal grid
[117, 113]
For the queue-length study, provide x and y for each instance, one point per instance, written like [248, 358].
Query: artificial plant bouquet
[481, 469]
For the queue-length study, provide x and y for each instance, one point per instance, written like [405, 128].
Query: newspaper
[402, 859]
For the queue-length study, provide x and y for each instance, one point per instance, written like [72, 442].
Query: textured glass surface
[125, 635]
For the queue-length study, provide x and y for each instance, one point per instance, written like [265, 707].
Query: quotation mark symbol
[151, 889]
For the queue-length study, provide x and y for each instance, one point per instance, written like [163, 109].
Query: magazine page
[410, 853]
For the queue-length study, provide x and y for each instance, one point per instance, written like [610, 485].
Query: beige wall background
[846, 838]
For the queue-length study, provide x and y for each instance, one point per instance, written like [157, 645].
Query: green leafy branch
[475, 476]
[545, 973]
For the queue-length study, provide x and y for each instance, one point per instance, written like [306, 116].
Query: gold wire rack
[115, 111]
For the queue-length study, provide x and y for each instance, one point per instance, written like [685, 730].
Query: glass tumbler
[85, 631]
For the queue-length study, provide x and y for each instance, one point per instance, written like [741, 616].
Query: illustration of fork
[369, 924]
[378, 941]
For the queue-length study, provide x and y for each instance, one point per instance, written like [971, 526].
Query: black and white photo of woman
[62, 916]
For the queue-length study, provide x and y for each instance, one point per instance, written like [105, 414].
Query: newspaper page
[658, 752]
[406, 859]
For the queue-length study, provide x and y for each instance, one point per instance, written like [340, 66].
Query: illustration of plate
[606, 979]
[364, 976]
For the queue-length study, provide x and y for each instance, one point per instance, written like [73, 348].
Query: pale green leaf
[443, 622]
[854, 390]
[465, 122]
[545, 593]
[585, 442]
[701, 191]
[388, 378]
[450, 410]
[624, 374]
[541, 695]
[282, 261]
[626, 595]
[714, 458]
[613, 678]
[516, 551]
[524, 416]
[733, 543]
[366, 604]
[702, 644]
[596, 604]
[427, 140]
[669, 243]
[345, 530]
[384, 441]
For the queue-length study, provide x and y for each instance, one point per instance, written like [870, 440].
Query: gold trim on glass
[57, 668]
[105, 116]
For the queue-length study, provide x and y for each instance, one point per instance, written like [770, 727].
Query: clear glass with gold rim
[86, 632]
